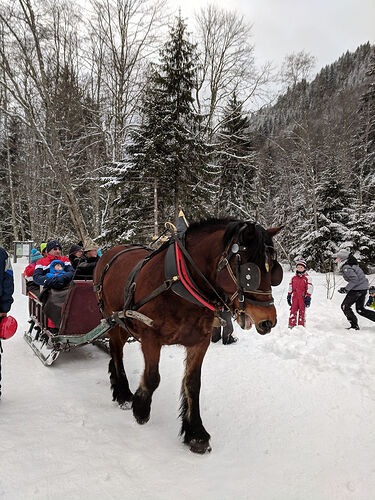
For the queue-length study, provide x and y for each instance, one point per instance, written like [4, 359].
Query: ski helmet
[301, 262]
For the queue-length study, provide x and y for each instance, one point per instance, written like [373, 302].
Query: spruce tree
[364, 142]
[190, 179]
[166, 154]
[235, 156]
[135, 178]
[319, 245]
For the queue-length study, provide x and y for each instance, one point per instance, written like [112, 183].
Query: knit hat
[52, 244]
[342, 254]
[35, 255]
[42, 246]
[371, 289]
[301, 262]
[89, 244]
[74, 249]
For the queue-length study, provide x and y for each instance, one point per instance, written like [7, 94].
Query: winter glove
[307, 301]
[289, 299]
[48, 282]
[59, 282]
[342, 290]
[66, 279]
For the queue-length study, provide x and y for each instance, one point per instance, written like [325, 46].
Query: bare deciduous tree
[124, 36]
[227, 62]
[25, 59]
[296, 67]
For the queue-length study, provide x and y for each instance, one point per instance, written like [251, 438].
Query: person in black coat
[227, 325]
[75, 254]
[88, 261]
[6, 290]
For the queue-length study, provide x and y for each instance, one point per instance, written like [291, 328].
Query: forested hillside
[316, 151]
[112, 117]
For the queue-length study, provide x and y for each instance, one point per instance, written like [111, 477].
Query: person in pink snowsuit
[299, 294]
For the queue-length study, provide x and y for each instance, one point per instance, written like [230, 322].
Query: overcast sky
[324, 28]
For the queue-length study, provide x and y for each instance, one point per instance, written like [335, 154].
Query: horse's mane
[246, 233]
[210, 225]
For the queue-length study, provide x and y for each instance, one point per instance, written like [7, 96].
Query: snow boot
[353, 327]
[216, 334]
[230, 340]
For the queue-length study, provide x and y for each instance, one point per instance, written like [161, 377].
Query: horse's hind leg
[117, 376]
[150, 381]
[192, 430]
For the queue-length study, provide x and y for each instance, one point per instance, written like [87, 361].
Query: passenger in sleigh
[42, 268]
[54, 283]
[56, 268]
[88, 261]
[75, 254]
[29, 272]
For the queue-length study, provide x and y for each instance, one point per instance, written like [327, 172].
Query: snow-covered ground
[291, 416]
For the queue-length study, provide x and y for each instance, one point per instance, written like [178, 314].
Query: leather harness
[179, 280]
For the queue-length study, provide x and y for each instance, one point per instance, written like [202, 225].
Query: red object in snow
[8, 327]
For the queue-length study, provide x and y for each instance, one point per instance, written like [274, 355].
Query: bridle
[246, 277]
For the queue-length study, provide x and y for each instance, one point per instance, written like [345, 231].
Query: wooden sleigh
[81, 322]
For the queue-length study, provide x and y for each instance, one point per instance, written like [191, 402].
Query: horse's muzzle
[264, 327]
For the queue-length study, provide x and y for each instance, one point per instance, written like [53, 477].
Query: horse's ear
[272, 231]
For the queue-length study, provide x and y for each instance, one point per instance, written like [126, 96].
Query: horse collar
[176, 269]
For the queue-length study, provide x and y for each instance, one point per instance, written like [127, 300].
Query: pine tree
[361, 231]
[166, 152]
[318, 246]
[235, 157]
[190, 179]
[364, 142]
[141, 171]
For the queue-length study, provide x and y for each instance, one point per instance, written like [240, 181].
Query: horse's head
[247, 270]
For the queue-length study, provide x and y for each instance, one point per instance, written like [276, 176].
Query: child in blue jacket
[56, 268]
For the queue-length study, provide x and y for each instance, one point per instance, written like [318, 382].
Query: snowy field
[291, 416]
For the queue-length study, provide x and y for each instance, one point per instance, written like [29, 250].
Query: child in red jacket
[29, 271]
[299, 294]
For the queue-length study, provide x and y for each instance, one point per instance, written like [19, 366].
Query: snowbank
[291, 417]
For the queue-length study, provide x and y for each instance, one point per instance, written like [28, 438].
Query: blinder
[276, 274]
[249, 277]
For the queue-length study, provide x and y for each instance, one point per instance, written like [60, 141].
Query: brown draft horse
[218, 250]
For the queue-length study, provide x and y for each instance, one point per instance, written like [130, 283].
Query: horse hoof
[200, 447]
[126, 405]
[142, 420]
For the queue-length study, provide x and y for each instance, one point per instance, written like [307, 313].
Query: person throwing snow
[356, 289]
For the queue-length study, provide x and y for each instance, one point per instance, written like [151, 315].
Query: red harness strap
[185, 280]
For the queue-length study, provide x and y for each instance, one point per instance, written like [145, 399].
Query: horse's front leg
[150, 381]
[192, 430]
[119, 382]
